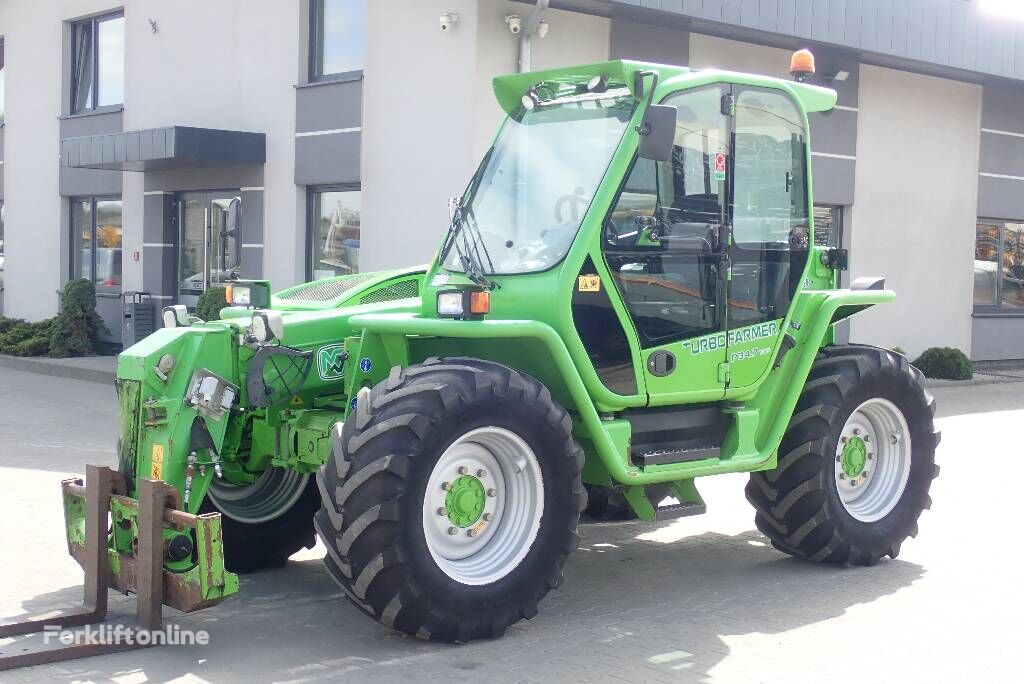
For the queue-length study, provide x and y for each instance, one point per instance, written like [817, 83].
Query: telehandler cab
[630, 296]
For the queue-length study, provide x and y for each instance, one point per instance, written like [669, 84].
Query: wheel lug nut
[442, 511]
[866, 473]
[856, 431]
[853, 483]
[839, 458]
[453, 530]
[491, 492]
[844, 439]
[481, 473]
[488, 517]
[463, 470]
[446, 486]
[842, 476]
[471, 533]
[871, 457]
[867, 438]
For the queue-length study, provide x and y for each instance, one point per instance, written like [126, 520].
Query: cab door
[665, 243]
[770, 227]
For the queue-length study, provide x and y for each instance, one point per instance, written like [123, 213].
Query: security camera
[515, 24]
[448, 20]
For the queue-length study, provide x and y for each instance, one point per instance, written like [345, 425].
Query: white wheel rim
[495, 543]
[872, 460]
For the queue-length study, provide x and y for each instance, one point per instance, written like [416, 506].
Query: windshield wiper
[469, 252]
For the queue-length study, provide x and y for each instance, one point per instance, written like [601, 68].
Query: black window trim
[93, 108]
[996, 310]
[93, 199]
[315, 41]
[311, 191]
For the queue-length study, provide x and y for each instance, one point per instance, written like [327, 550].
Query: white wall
[34, 224]
[916, 189]
[230, 64]
[429, 111]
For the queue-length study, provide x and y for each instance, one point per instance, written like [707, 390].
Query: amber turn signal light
[480, 302]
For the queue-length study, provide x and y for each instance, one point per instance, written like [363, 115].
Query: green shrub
[210, 303]
[22, 338]
[945, 363]
[76, 329]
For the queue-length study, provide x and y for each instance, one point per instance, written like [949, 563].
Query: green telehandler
[630, 296]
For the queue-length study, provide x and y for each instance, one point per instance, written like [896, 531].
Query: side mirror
[658, 132]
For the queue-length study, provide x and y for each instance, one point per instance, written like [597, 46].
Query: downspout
[526, 36]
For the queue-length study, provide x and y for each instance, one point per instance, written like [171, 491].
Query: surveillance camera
[515, 24]
[448, 20]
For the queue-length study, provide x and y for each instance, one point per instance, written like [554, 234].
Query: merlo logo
[330, 361]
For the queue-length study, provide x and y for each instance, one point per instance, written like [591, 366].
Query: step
[669, 456]
[679, 510]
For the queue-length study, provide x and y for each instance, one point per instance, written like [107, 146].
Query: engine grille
[399, 290]
[325, 290]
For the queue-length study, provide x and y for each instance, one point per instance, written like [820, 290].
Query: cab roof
[621, 73]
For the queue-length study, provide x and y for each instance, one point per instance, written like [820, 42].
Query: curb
[62, 370]
[978, 380]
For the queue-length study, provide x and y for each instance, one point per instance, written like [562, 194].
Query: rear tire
[258, 536]
[399, 540]
[810, 506]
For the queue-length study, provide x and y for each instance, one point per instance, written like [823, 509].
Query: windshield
[534, 187]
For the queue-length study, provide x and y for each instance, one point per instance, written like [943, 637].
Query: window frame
[92, 107]
[995, 310]
[313, 74]
[312, 216]
[3, 83]
[93, 200]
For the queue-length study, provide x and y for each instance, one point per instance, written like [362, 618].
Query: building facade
[161, 147]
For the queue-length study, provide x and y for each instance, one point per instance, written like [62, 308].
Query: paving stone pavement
[700, 599]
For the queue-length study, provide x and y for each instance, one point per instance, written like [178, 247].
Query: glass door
[209, 246]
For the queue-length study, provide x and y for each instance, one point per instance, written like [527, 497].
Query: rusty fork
[100, 484]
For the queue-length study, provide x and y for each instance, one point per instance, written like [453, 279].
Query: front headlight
[450, 304]
[239, 295]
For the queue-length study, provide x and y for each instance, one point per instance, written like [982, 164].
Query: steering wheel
[576, 202]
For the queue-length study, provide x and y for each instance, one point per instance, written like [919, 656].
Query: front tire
[452, 499]
[856, 463]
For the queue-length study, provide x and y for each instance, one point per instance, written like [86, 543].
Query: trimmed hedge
[210, 303]
[75, 331]
[945, 363]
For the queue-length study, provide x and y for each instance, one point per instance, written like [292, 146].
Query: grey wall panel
[215, 178]
[833, 180]
[951, 34]
[1001, 198]
[328, 106]
[996, 338]
[834, 132]
[649, 43]
[252, 216]
[91, 124]
[325, 159]
[1002, 154]
[252, 262]
[159, 278]
[82, 182]
[1002, 108]
[158, 222]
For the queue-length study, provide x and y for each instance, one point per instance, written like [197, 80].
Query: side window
[662, 239]
[770, 213]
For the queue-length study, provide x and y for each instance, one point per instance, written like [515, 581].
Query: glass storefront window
[1, 246]
[999, 267]
[96, 232]
[334, 232]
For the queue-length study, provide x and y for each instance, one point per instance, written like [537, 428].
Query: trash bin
[139, 318]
